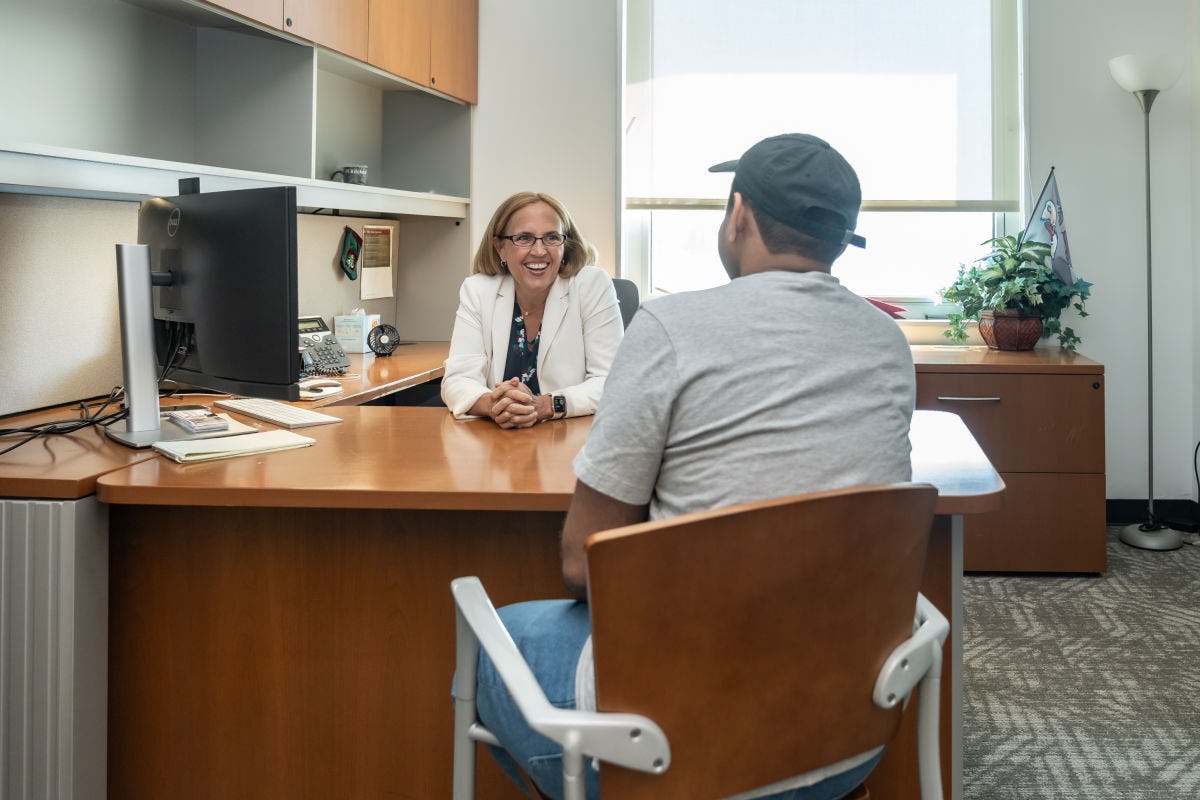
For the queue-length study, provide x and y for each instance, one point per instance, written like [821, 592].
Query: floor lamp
[1145, 77]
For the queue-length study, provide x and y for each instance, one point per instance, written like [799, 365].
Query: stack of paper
[231, 446]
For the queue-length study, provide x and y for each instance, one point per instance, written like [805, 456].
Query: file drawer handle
[968, 399]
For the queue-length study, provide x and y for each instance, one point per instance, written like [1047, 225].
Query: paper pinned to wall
[375, 262]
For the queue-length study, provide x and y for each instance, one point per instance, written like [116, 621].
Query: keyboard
[275, 412]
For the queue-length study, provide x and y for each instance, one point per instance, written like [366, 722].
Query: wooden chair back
[753, 634]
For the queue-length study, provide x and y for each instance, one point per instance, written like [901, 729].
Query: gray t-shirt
[774, 384]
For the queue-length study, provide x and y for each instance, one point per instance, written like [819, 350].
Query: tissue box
[351, 331]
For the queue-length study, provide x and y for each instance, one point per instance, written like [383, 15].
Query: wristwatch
[560, 406]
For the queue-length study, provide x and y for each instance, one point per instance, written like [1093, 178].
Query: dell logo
[173, 222]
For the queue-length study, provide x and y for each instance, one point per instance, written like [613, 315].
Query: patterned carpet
[1085, 687]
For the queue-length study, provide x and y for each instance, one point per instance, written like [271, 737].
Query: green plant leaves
[1016, 274]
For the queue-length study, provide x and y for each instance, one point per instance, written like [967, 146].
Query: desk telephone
[320, 353]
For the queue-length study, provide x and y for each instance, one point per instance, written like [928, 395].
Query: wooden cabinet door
[1049, 522]
[268, 12]
[1044, 434]
[1025, 422]
[454, 53]
[340, 25]
[398, 40]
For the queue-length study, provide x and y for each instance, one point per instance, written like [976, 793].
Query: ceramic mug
[351, 173]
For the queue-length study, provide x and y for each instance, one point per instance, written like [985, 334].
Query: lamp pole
[1151, 534]
[1145, 99]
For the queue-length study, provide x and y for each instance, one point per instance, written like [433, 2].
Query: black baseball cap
[804, 183]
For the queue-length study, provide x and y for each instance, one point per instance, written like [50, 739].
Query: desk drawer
[1048, 523]
[1025, 422]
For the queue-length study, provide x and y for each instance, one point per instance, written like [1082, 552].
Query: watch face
[560, 404]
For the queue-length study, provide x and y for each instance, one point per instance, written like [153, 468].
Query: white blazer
[581, 329]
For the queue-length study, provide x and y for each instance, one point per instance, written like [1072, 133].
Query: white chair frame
[632, 740]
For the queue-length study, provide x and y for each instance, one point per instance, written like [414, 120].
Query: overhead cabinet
[268, 12]
[434, 43]
[454, 48]
[340, 25]
[398, 40]
[144, 92]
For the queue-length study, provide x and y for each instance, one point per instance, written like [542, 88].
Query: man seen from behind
[781, 382]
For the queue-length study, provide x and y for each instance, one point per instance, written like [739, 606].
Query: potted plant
[1015, 296]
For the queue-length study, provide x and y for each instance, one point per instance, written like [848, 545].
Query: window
[919, 95]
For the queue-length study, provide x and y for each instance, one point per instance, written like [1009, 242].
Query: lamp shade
[1138, 73]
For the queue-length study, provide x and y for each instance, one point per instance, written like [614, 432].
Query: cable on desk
[89, 417]
[62, 426]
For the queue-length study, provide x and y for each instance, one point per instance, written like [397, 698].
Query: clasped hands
[512, 405]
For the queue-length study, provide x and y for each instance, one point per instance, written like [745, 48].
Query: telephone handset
[320, 353]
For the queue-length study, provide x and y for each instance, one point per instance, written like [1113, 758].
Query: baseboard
[1125, 512]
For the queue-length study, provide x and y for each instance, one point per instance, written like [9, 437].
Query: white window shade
[905, 90]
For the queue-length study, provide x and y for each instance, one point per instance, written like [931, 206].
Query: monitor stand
[144, 425]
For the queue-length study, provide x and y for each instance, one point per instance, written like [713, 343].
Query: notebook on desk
[231, 446]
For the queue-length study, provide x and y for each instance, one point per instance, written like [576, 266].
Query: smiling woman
[538, 323]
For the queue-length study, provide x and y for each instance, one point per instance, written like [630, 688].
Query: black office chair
[628, 298]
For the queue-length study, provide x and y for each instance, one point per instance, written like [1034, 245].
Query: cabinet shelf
[40, 169]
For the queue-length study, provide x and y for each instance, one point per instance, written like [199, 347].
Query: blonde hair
[577, 251]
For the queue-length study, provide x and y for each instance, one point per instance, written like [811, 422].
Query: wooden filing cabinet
[1039, 416]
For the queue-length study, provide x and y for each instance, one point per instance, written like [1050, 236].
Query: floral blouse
[522, 354]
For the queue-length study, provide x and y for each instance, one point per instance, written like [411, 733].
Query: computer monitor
[210, 294]
[227, 320]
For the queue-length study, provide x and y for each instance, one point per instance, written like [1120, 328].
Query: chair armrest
[918, 659]
[629, 740]
[915, 657]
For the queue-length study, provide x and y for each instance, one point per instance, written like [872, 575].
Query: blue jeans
[550, 635]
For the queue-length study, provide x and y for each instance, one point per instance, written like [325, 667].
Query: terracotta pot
[1008, 329]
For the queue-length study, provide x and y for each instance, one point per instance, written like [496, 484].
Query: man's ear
[737, 215]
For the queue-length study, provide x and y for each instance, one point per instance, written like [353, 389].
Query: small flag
[1046, 224]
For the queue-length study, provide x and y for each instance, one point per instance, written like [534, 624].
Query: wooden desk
[60, 467]
[1038, 414]
[281, 626]
[54, 548]
[66, 467]
[377, 376]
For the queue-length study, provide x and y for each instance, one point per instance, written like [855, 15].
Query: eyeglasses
[526, 240]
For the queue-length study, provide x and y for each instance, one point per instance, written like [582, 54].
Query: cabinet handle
[968, 399]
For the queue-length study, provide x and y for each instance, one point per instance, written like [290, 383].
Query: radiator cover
[53, 649]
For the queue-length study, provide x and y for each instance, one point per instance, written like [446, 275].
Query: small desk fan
[383, 340]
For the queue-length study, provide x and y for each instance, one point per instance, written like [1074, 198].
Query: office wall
[58, 293]
[1083, 124]
[58, 298]
[549, 112]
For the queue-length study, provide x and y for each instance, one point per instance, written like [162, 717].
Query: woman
[538, 323]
